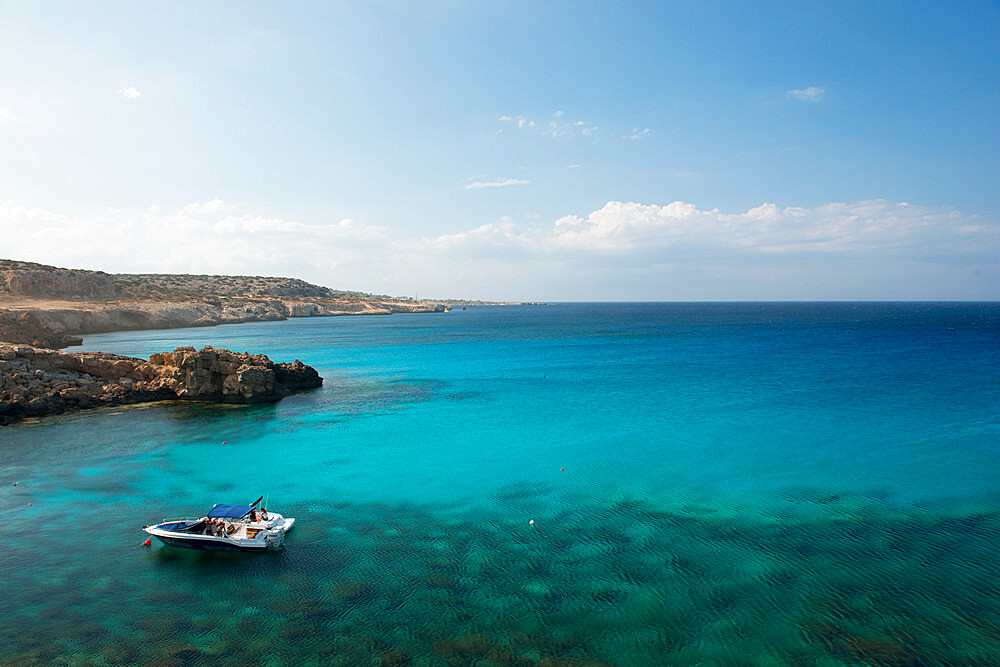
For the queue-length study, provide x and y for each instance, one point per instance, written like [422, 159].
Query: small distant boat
[225, 528]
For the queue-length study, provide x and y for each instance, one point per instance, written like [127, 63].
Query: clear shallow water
[744, 483]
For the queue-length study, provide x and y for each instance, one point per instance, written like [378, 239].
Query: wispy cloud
[564, 128]
[130, 93]
[517, 121]
[637, 133]
[810, 94]
[8, 115]
[558, 125]
[496, 183]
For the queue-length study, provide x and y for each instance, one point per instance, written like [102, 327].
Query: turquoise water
[714, 483]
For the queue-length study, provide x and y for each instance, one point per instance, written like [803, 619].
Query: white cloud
[810, 94]
[486, 237]
[214, 206]
[637, 133]
[130, 93]
[572, 166]
[678, 228]
[622, 250]
[626, 251]
[8, 115]
[209, 237]
[496, 183]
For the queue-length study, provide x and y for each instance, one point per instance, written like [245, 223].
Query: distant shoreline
[83, 318]
[50, 307]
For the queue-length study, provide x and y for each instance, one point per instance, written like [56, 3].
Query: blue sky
[544, 150]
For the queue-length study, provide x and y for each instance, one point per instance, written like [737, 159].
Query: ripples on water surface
[724, 484]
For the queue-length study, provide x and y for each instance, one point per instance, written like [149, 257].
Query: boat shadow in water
[190, 564]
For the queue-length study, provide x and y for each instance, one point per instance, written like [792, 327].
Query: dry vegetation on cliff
[40, 280]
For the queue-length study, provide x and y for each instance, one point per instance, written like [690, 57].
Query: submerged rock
[394, 658]
[36, 382]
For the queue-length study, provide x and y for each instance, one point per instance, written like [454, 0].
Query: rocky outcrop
[26, 328]
[221, 375]
[36, 382]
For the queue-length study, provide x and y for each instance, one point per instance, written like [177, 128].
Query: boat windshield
[228, 512]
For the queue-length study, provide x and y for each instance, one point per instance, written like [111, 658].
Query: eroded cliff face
[26, 328]
[36, 382]
[58, 283]
[135, 315]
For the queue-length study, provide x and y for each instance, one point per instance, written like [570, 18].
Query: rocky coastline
[35, 381]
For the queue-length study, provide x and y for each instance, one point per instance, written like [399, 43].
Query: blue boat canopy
[228, 511]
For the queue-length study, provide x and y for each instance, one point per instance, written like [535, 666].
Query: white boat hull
[243, 536]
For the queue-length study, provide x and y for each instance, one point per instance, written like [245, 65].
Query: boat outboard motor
[274, 538]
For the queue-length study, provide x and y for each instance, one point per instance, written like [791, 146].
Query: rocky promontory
[36, 381]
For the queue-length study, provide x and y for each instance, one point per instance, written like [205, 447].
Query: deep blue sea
[751, 483]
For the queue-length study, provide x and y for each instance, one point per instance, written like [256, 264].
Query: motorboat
[225, 528]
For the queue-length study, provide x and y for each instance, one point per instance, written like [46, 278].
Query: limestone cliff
[101, 317]
[83, 302]
[49, 282]
[36, 382]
